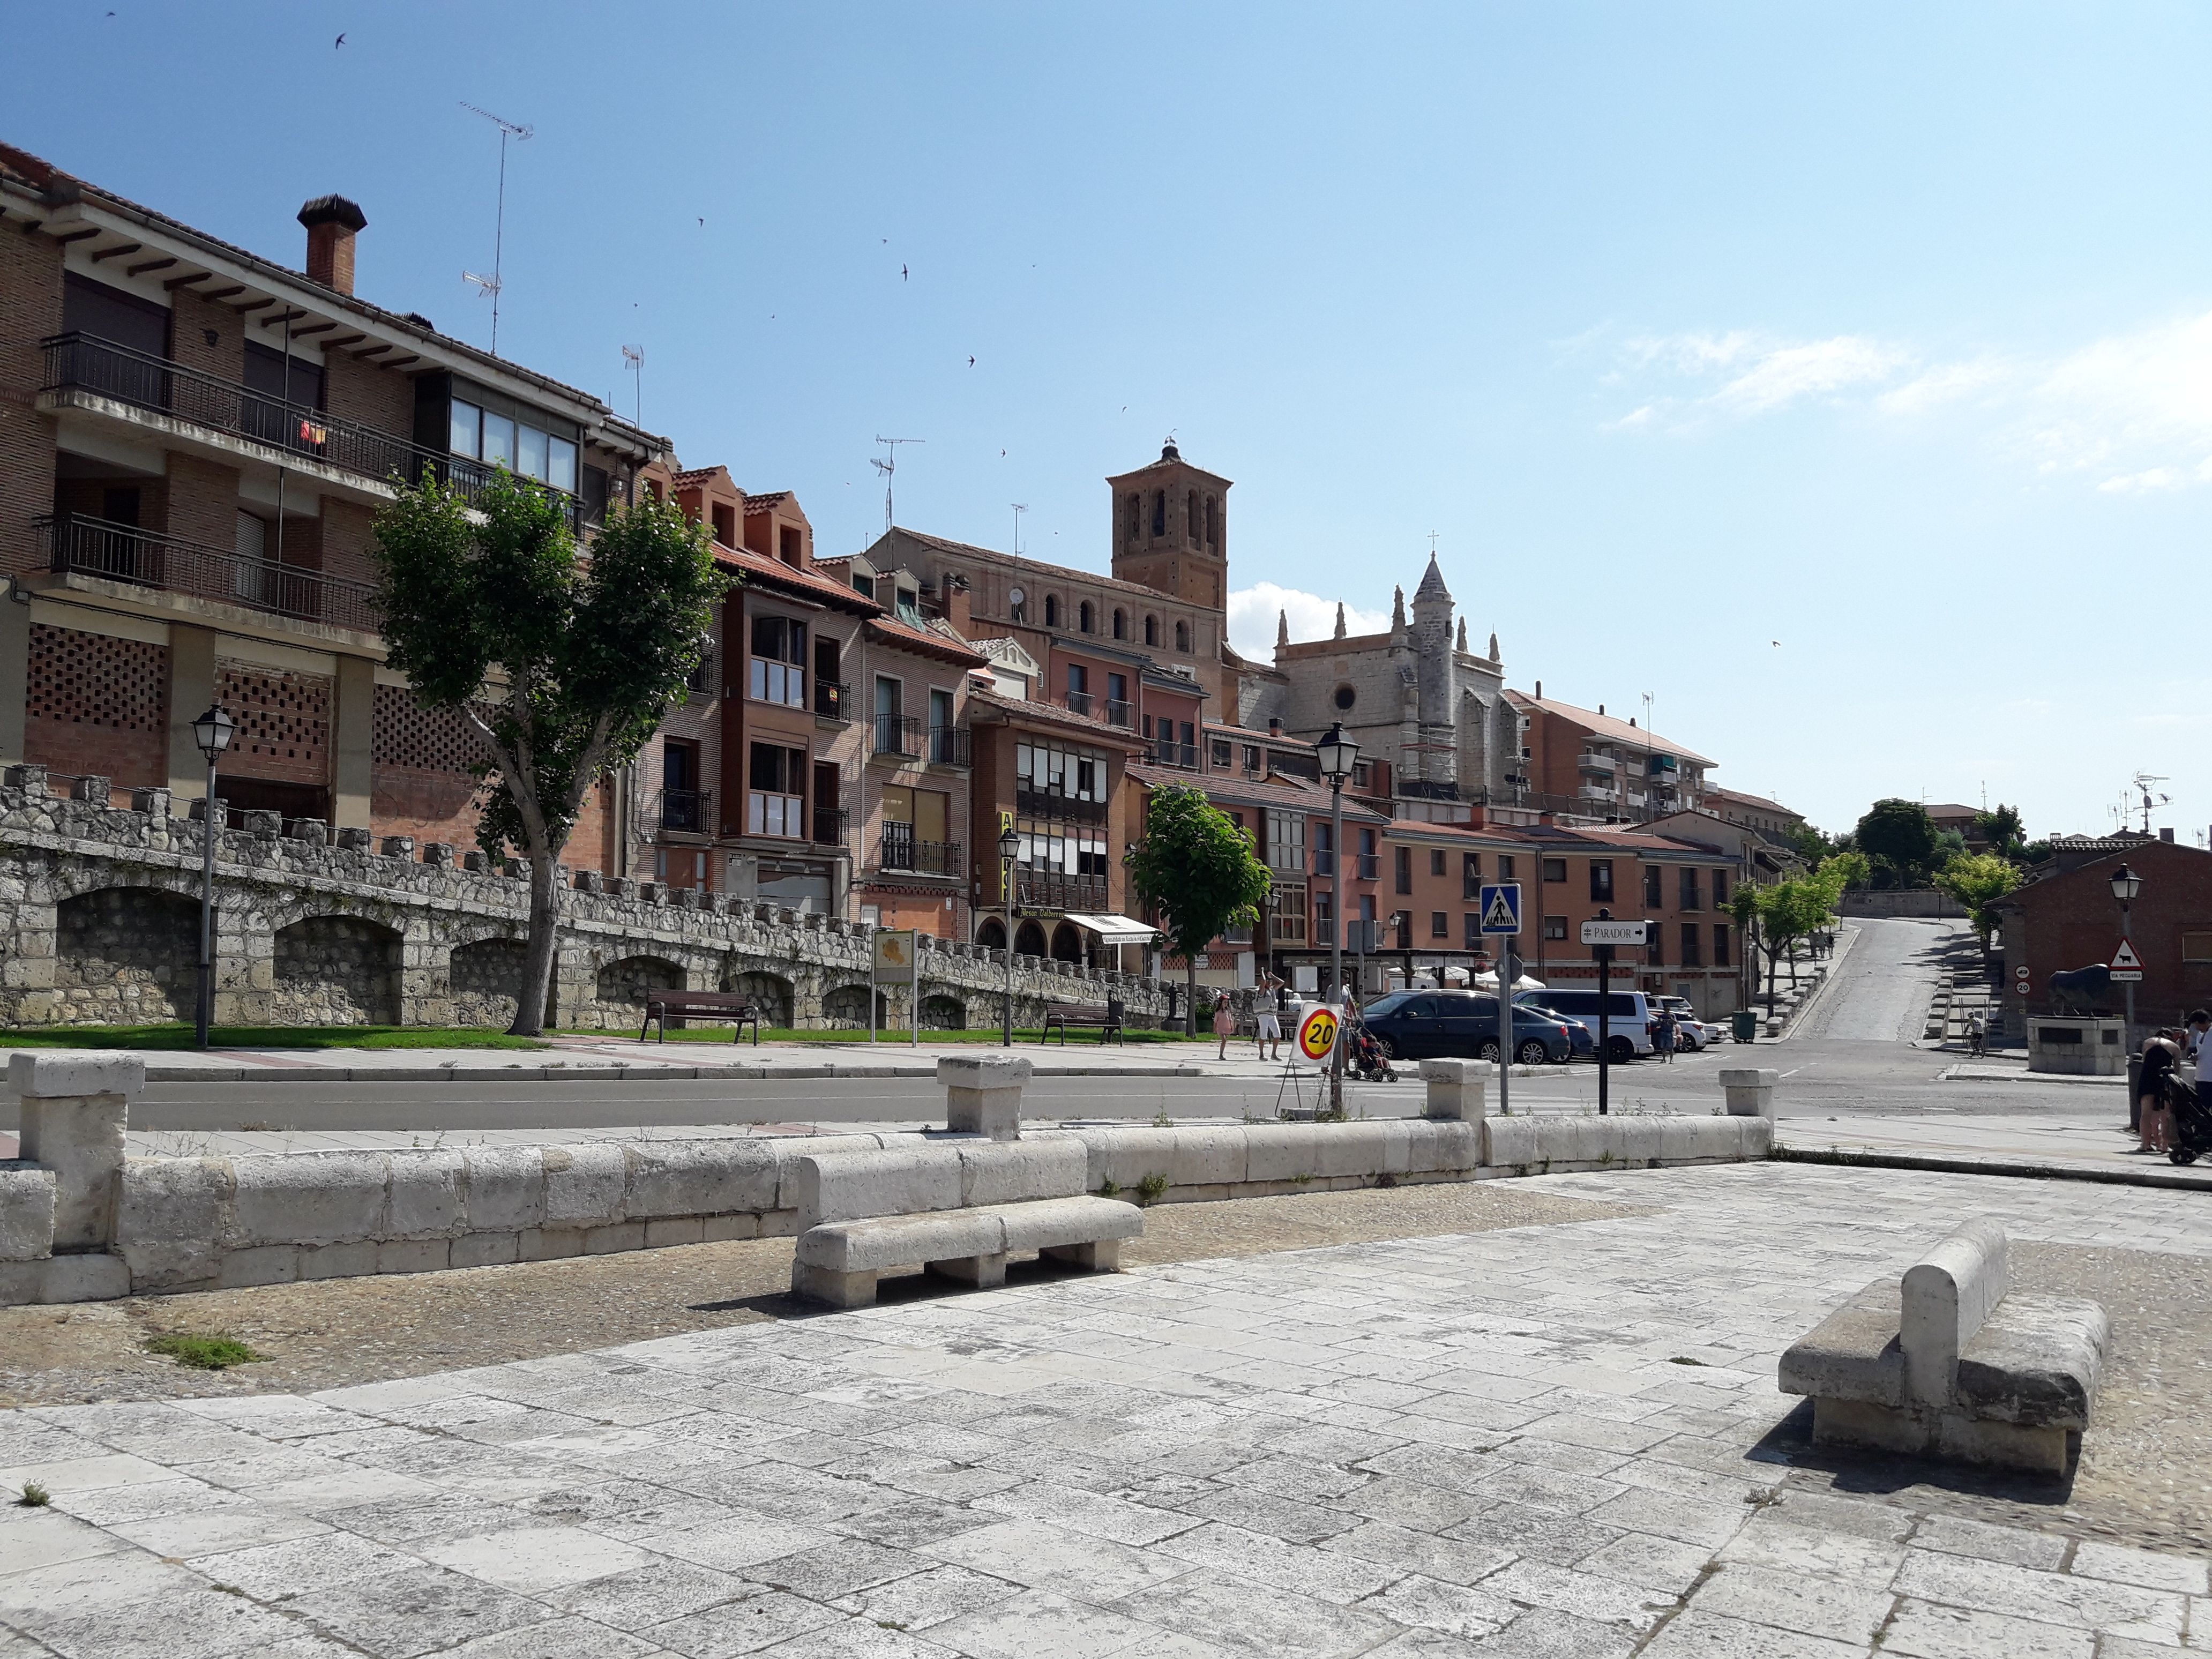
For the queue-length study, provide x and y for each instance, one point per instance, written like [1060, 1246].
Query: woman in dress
[1224, 1023]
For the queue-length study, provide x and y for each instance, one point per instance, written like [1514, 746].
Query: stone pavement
[1556, 1440]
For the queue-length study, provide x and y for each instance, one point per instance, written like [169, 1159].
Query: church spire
[1493, 645]
[1462, 636]
[1282, 629]
[1397, 612]
[1340, 619]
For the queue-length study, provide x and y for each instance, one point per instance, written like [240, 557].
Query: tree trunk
[544, 937]
[1190, 996]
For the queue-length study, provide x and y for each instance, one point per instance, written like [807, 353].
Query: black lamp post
[1337, 754]
[1010, 844]
[212, 732]
[2126, 883]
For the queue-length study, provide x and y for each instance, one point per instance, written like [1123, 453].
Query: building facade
[2070, 918]
[1597, 767]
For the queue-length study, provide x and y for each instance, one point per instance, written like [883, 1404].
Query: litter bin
[1745, 1025]
[2135, 1093]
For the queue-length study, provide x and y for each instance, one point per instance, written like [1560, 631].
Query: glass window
[1555, 869]
[467, 436]
[1601, 881]
[1439, 924]
[530, 452]
[561, 464]
[498, 440]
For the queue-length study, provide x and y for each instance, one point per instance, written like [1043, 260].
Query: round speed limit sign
[1317, 1032]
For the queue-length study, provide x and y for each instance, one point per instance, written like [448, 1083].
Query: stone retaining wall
[98, 923]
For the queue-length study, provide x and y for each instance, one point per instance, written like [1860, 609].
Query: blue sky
[1840, 377]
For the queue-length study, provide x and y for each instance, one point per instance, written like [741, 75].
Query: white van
[1629, 1015]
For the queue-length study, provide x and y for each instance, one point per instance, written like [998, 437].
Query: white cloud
[1945, 383]
[1253, 611]
[1789, 372]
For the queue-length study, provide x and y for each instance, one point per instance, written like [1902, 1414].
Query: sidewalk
[2091, 1140]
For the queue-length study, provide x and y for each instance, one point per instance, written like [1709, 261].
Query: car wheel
[1534, 1053]
[1488, 1051]
[1620, 1050]
[1385, 1047]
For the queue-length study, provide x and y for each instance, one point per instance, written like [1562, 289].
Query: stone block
[308, 1198]
[896, 1241]
[413, 1255]
[837, 1186]
[265, 1264]
[1510, 1142]
[94, 1276]
[588, 881]
[615, 1238]
[1945, 1296]
[27, 1213]
[1455, 1088]
[355, 839]
[2037, 1361]
[717, 1229]
[174, 1221]
[983, 1094]
[21, 1283]
[1279, 1151]
[1204, 1157]
[506, 1189]
[358, 1259]
[675, 1229]
[1852, 1354]
[80, 1138]
[1361, 1150]
[984, 1272]
[1749, 1089]
[400, 847]
[62, 1074]
[550, 1243]
[429, 1193]
[1438, 1146]
[1632, 1140]
[839, 1290]
[1058, 1223]
[485, 1249]
[1007, 1172]
[585, 1184]
[699, 1177]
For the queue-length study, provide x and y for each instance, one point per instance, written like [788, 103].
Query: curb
[1814, 998]
[613, 1073]
[1982, 1167]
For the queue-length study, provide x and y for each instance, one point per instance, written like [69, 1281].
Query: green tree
[2003, 829]
[1810, 845]
[1787, 912]
[1850, 870]
[1978, 881]
[561, 662]
[1198, 867]
[1898, 837]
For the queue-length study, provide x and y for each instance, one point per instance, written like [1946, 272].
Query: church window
[1346, 696]
[1151, 630]
[1136, 516]
[1212, 521]
[1190, 517]
[1183, 637]
[1120, 623]
[1052, 611]
[1083, 616]
[1159, 512]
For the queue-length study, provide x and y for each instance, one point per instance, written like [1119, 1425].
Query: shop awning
[1116, 930]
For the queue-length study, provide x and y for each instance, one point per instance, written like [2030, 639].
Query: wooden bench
[1065, 1014]
[732, 1005]
[839, 1262]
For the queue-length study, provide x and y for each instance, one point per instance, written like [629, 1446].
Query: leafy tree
[1850, 869]
[1810, 845]
[1978, 881]
[2002, 828]
[563, 663]
[1787, 912]
[1198, 867]
[1898, 836]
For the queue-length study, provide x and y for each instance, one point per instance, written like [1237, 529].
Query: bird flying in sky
[334, 44]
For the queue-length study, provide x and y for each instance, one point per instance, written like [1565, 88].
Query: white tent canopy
[1488, 981]
[1115, 930]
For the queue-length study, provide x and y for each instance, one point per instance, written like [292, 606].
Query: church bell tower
[1171, 530]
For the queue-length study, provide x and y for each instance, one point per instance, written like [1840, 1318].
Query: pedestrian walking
[2194, 1058]
[1267, 1027]
[1976, 1034]
[1662, 1037]
[2162, 1052]
[1224, 1023]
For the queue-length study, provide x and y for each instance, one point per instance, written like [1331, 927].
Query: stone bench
[839, 1262]
[1947, 1364]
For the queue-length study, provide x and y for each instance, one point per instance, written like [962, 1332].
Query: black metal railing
[701, 681]
[900, 851]
[948, 746]
[898, 734]
[830, 699]
[1047, 890]
[85, 363]
[1079, 703]
[1181, 755]
[1120, 711]
[117, 552]
[688, 810]
[830, 824]
[1035, 804]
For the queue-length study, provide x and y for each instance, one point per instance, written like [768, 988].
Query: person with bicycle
[1977, 1035]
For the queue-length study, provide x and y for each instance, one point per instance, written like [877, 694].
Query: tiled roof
[1288, 794]
[1546, 837]
[773, 573]
[762, 503]
[692, 475]
[1045, 713]
[1714, 792]
[1024, 560]
[952, 648]
[1283, 738]
[1609, 729]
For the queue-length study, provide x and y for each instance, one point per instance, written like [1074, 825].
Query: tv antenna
[633, 360]
[2141, 783]
[887, 466]
[491, 285]
[1019, 508]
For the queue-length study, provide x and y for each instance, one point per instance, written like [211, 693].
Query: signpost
[1499, 903]
[1601, 936]
[1317, 1033]
[895, 955]
[2126, 967]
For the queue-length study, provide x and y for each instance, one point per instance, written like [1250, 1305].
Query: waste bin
[2135, 1093]
[1745, 1025]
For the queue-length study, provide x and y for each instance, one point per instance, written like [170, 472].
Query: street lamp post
[1010, 843]
[2126, 883]
[1337, 753]
[212, 732]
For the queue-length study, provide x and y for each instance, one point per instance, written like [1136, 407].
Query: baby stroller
[2192, 1128]
[1365, 1058]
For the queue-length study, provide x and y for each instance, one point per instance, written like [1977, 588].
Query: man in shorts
[1269, 1024]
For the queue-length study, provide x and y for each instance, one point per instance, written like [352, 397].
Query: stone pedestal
[983, 1095]
[1750, 1090]
[2077, 1045]
[1456, 1089]
[73, 1112]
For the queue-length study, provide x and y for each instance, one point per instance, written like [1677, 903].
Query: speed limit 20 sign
[1317, 1032]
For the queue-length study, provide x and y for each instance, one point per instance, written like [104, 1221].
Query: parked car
[1629, 1029]
[1584, 1038]
[1691, 1033]
[1435, 1024]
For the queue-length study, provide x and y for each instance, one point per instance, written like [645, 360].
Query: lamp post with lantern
[1010, 844]
[212, 732]
[2126, 883]
[1337, 754]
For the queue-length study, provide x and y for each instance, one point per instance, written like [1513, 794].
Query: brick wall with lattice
[283, 722]
[421, 783]
[94, 703]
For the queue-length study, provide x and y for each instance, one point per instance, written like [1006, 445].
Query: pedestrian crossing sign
[1501, 907]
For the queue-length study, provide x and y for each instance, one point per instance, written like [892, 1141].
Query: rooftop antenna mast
[634, 360]
[490, 284]
[887, 466]
[2143, 781]
[1019, 508]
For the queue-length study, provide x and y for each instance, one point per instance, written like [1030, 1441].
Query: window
[1401, 923]
[495, 439]
[1436, 860]
[294, 379]
[775, 800]
[1439, 924]
[1120, 623]
[1655, 946]
[1472, 919]
[726, 524]
[1720, 889]
[1212, 522]
[1601, 881]
[778, 673]
[1470, 875]
[1402, 867]
[1286, 913]
[1221, 750]
[1286, 840]
[1555, 927]
[1691, 938]
[1252, 758]
[1159, 512]
[1324, 916]
[1052, 611]
[1720, 945]
[787, 541]
[111, 313]
[1083, 616]
[944, 735]
[1183, 637]
[1078, 688]
[1363, 773]
[1689, 882]
[1062, 773]
[1554, 869]
[1346, 696]
[1653, 895]
[1324, 849]
[1151, 630]
[1136, 517]
[1506, 862]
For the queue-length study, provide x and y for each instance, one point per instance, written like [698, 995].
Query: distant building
[2070, 918]
[1752, 811]
[1586, 761]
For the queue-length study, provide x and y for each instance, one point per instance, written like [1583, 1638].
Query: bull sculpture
[2081, 990]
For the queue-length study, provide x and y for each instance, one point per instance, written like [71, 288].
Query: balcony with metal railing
[122, 553]
[1358, 866]
[832, 700]
[1182, 756]
[1051, 890]
[1121, 712]
[1036, 804]
[1590, 761]
[948, 746]
[84, 365]
[830, 824]
[899, 736]
[902, 852]
[689, 811]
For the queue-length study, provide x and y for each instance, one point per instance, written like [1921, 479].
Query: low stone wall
[99, 923]
[1904, 902]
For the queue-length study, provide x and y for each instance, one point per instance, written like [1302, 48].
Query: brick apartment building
[2070, 920]
[1593, 764]
[194, 440]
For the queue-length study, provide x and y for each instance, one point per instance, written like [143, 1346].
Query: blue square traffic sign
[1501, 907]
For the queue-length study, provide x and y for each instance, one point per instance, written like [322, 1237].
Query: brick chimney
[332, 222]
[959, 609]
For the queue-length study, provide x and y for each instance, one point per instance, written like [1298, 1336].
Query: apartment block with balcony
[1586, 764]
[196, 440]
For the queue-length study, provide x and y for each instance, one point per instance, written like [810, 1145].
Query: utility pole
[491, 285]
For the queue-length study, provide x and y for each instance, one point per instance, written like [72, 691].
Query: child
[1224, 1023]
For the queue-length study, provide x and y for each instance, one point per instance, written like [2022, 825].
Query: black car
[1581, 1036]
[1438, 1025]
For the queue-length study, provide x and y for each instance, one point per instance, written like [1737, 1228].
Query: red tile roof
[1611, 730]
[1045, 713]
[774, 573]
[1287, 795]
[894, 632]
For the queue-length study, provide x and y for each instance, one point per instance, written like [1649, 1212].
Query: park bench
[1065, 1014]
[1947, 1364]
[733, 1005]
